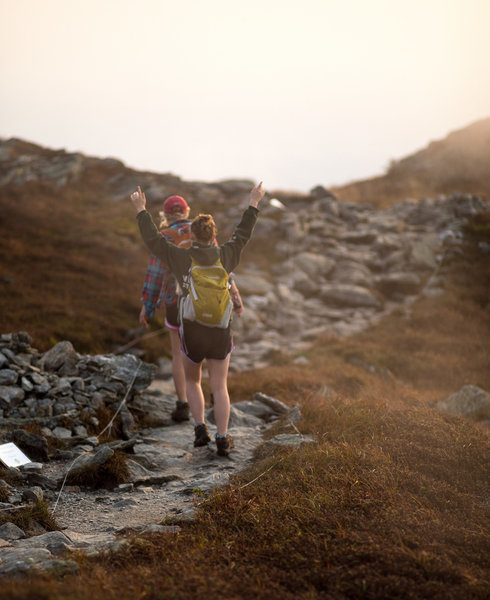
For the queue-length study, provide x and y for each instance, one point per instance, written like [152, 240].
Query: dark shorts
[200, 342]
[172, 315]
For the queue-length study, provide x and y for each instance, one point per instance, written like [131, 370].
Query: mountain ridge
[457, 163]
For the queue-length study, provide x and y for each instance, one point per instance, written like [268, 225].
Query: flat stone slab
[9, 532]
[291, 439]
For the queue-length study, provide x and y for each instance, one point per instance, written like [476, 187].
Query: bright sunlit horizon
[294, 93]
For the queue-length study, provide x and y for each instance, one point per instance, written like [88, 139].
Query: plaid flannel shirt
[160, 286]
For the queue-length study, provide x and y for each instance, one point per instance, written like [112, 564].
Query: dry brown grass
[109, 475]
[30, 517]
[391, 502]
[61, 276]
[388, 504]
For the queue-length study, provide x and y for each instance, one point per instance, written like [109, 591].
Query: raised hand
[138, 199]
[256, 195]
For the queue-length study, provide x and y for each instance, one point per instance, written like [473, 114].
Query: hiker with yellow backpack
[160, 288]
[205, 308]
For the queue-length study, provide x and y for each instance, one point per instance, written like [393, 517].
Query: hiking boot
[224, 444]
[201, 435]
[181, 412]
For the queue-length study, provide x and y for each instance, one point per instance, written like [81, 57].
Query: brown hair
[204, 228]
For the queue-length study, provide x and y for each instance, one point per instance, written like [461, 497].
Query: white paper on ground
[11, 456]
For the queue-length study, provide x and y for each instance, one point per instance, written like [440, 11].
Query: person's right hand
[138, 199]
[256, 195]
[142, 318]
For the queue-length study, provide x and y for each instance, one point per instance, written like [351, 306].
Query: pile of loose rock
[63, 390]
[340, 267]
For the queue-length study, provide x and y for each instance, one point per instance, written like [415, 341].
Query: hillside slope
[458, 163]
[72, 262]
[71, 258]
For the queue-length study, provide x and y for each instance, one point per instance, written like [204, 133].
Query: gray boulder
[54, 541]
[345, 295]
[391, 284]
[276, 405]
[249, 325]
[35, 446]
[11, 395]
[125, 367]
[61, 358]
[359, 237]
[311, 263]
[10, 532]
[90, 462]
[21, 560]
[238, 418]
[290, 439]
[253, 284]
[470, 401]
[8, 376]
[421, 256]
[352, 273]
[152, 410]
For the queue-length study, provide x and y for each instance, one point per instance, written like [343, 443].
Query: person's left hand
[138, 199]
[142, 317]
[256, 195]
[238, 309]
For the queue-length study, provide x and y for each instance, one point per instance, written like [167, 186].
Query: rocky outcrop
[340, 267]
[64, 392]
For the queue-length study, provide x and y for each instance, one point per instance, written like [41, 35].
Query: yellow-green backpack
[206, 298]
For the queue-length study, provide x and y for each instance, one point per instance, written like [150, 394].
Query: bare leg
[218, 374]
[177, 365]
[195, 397]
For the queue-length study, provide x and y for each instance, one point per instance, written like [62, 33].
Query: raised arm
[169, 254]
[231, 250]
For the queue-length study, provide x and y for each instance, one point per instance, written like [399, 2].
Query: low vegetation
[390, 502]
[109, 475]
[33, 518]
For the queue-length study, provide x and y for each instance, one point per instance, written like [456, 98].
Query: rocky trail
[166, 476]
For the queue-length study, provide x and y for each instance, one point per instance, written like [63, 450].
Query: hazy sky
[296, 93]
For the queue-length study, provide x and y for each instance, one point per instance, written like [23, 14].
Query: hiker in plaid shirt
[160, 289]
